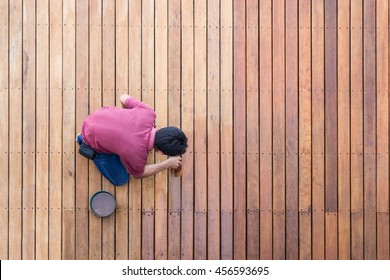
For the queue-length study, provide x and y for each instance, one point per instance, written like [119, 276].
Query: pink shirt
[129, 133]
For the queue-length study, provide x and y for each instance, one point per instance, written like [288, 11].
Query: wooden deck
[285, 103]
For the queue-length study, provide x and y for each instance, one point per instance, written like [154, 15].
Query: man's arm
[151, 169]
[130, 102]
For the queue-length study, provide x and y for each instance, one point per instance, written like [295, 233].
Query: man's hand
[123, 99]
[174, 162]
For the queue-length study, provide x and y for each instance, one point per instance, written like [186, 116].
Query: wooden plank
[356, 130]
[213, 132]
[252, 132]
[148, 97]
[331, 236]
[292, 251]
[187, 223]
[28, 105]
[266, 244]
[15, 129]
[108, 72]
[68, 132]
[318, 125]
[200, 236]
[122, 245]
[382, 179]
[278, 127]
[82, 85]
[304, 130]
[339, 246]
[239, 115]
[4, 127]
[343, 121]
[369, 121]
[226, 130]
[95, 102]
[55, 138]
[135, 78]
[42, 132]
[161, 99]
[174, 101]
[330, 125]
[383, 235]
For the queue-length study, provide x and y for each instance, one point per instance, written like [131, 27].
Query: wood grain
[4, 128]
[82, 105]
[357, 172]
[292, 237]
[200, 125]
[15, 129]
[318, 130]
[252, 132]
[227, 130]
[239, 114]
[331, 166]
[284, 103]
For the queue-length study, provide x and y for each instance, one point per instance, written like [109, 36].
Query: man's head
[171, 141]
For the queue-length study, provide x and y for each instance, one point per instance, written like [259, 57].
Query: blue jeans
[110, 166]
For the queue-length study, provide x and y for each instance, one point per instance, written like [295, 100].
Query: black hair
[171, 141]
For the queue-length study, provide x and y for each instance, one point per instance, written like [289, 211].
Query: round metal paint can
[102, 203]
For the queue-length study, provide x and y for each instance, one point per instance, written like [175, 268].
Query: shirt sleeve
[132, 102]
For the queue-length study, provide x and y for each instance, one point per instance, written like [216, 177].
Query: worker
[118, 140]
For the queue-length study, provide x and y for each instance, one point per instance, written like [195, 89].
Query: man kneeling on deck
[118, 141]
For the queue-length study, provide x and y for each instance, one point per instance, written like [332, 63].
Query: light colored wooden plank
[343, 107]
[42, 132]
[318, 124]
[252, 131]
[200, 234]
[122, 245]
[278, 127]
[292, 251]
[226, 130]
[135, 79]
[187, 223]
[95, 102]
[265, 130]
[356, 130]
[382, 178]
[15, 129]
[69, 131]
[330, 125]
[55, 137]
[148, 75]
[305, 122]
[369, 132]
[213, 132]
[82, 85]
[108, 72]
[161, 99]
[239, 115]
[29, 143]
[4, 127]
[174, 100]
